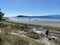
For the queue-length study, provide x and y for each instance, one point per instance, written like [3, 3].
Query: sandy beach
[43, 23]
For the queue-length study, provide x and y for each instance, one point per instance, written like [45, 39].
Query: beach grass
[15, 40]
[8, 39]
[8, 28]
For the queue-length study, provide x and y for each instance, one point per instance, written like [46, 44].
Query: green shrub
[34, 36]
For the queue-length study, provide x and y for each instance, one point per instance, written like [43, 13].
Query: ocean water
[37, 19]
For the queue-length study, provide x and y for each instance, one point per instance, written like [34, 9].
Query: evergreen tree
[1, 15]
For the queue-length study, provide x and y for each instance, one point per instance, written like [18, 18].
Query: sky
[30, 7]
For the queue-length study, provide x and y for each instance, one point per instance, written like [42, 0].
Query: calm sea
[37, 19]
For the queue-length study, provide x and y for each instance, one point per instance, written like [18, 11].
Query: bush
[34, 36]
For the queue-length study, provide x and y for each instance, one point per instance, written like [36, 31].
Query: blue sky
[30, 7]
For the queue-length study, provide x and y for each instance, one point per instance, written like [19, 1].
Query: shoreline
[43, 23]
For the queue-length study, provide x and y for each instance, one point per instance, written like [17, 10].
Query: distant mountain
[48, 16]
[51, 16]
[21, 16]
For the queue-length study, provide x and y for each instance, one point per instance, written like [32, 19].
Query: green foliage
[1, 15]
[34, 36]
